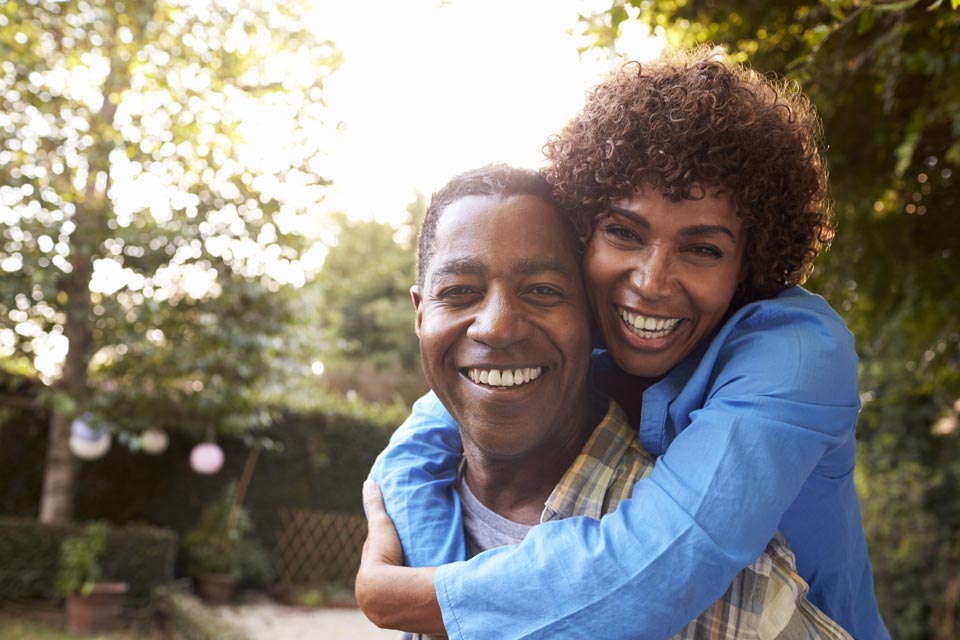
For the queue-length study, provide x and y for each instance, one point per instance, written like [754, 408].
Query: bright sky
[430, 88]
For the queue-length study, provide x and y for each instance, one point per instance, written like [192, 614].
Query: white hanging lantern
[206, 458]
[154, 441]
[86, 442]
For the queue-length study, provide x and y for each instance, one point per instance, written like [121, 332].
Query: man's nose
[500, 321]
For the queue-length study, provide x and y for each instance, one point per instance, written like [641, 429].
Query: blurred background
[207, 215]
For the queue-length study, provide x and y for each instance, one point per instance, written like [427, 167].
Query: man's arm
[390, 595]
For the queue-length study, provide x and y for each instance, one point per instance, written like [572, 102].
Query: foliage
[143, 226]
[363, 306]
[190, 620]
[79, 560]
[885, 77]
[140, 555]
[221, 543]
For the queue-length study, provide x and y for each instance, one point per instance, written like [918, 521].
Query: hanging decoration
[86, 442]
[154, 441]
[206, 458]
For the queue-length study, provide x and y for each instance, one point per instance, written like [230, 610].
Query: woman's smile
[662, 275]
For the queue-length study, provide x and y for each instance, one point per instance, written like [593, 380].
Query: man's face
[503, 325]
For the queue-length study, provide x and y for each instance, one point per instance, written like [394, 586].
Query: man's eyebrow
[693, 230]
[459, 266]
[540, 264]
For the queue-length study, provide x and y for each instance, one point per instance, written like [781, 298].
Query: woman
[699, 189]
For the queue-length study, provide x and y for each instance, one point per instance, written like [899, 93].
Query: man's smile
[504, 377]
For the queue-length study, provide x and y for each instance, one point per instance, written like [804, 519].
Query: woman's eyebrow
[633, 215]
[693, 230]
[708, 229]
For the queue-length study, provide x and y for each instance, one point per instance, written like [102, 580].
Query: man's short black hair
[499, 180]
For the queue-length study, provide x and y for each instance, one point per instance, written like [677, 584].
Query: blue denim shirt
[753, 432]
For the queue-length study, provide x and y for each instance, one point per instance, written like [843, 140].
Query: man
[505, 342]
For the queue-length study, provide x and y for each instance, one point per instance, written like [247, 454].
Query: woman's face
[662, 274]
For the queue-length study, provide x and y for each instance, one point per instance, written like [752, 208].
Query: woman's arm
[781, 393]
[416, 474]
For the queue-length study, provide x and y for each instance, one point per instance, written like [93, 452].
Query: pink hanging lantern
[206, 458]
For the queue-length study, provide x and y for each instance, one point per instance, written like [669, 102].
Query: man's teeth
[504, 377]
[649, 327]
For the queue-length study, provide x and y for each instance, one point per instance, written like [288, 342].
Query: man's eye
[456, 292]
[545, 290]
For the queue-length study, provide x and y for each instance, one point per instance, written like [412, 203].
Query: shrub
[79, 560]
[140, 555]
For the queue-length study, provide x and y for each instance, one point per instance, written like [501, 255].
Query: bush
[79, 560]
[190, 620]
[142, 556]
[222, 543]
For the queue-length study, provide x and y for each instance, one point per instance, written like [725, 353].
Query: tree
[144, 233]
[885, 77]
[364, 310]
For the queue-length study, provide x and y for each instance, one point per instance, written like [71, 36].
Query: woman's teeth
[648, 327]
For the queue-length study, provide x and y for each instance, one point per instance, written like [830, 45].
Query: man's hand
[382, 546]
[390, 595]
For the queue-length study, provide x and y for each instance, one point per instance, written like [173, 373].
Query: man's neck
[517, 488]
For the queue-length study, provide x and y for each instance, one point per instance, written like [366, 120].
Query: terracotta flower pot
[100, 610]
[215, 588]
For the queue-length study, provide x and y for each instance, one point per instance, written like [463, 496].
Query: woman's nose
[652, 277]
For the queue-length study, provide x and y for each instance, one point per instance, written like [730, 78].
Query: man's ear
[417, 300]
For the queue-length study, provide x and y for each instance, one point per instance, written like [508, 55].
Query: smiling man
[505, 342]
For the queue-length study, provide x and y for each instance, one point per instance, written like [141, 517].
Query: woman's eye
[618, 231]
[707, 251]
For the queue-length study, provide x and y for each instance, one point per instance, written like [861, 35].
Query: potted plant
[221, 552]
[92, 604]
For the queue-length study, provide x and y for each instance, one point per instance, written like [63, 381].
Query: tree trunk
[59, 473]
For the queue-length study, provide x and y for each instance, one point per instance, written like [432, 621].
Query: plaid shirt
[766, 601]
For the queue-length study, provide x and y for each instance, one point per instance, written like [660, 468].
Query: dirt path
[264, 619]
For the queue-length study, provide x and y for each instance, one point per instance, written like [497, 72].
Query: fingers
[372, 499]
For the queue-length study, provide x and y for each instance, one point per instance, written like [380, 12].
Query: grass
[46, 622]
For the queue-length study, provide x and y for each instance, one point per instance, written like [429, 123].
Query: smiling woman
[662, 276]
[699, 188]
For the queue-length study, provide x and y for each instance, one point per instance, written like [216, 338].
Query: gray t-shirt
[482, 529]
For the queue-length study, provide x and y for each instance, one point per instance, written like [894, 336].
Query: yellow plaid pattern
[766, 601]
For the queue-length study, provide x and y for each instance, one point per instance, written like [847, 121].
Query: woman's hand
[390, 595]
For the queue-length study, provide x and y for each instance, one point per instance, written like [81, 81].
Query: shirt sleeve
[780, 395]
[417, 473]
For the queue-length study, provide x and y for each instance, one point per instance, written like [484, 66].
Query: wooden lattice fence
[318, 547]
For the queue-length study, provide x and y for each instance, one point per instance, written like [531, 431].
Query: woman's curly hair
[691, 121]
